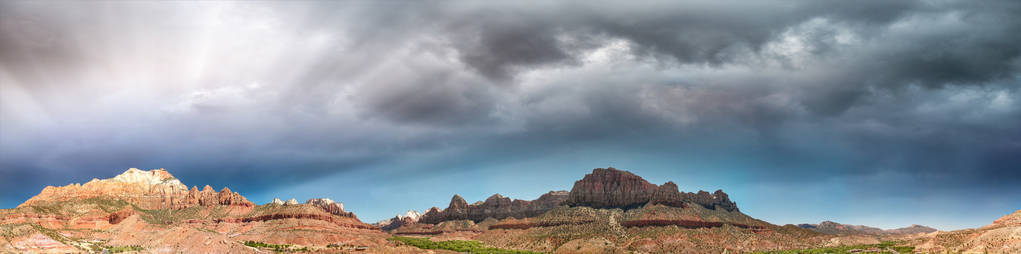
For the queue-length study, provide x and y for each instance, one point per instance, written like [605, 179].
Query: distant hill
[829, 227]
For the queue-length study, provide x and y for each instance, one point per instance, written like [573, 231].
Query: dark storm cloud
[786, 92]
[495, 40]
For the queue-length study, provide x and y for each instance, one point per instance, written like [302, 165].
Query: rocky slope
[154, 212]
[1013, 219]
[833, 228]
[1003, 236]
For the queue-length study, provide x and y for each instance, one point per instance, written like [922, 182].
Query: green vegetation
[171, 216]
[884, 247]
[455, 245]
[276, 247]
[52, 234]
[119, 249]
[74, 206]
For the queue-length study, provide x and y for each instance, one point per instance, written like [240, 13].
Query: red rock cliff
[153, 189]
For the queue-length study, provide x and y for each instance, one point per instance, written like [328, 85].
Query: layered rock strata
[496, 206]
[408, 218]
[612, 188]
[328, 205]
[154, 189]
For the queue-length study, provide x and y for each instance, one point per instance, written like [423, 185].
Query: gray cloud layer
[801, 91]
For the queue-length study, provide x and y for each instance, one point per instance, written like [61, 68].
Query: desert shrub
[119, 249]
[884, 247]
[275, 247]
[528, 225]
[455, 245]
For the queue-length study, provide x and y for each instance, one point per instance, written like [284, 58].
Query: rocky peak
[276, 201]
[603, 188]
[497, 201]
[410, 214]
[153, 189]
[291, 201]
[611, 188]
[152, 177]
[668, 195]
[408, 218]
[457, 205]
[328, 205]
[496, 206]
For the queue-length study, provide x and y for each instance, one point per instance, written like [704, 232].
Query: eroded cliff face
[408, 218]
[612, 188]
[330, 206]
[156, 211]
[496, 206]
[153, 189]
[603, 188]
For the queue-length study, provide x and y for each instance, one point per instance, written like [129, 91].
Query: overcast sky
[884, 113]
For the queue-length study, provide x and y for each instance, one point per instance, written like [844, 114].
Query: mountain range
[607, 211]
[830, 227]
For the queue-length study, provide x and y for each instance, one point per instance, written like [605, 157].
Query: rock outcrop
[140, 209]
[328, 205]
[612, 188]
[711, 200]
[603, 188]
[496, 206]
[668, 195]
[154, 189]
[1013, 219]
[408, 218]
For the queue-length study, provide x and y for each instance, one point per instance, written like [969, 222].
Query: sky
[882, 113]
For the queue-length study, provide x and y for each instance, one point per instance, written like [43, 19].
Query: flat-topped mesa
[612, 188]
[496, 206]
[153, 189]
